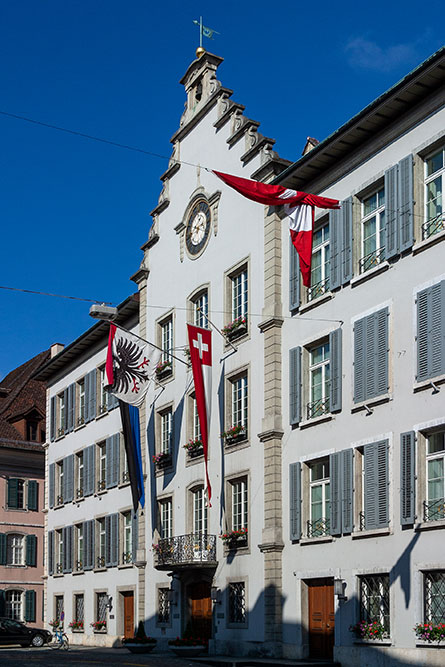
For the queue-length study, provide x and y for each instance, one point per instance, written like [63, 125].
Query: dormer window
[198, 92]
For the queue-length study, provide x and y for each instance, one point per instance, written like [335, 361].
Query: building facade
[92, 581]
[22, 483]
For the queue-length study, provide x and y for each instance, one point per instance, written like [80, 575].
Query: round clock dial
[198, 227]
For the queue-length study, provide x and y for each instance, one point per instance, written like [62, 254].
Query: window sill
[430, 525]
[236, 446]
[191, 460]
[316, 540]
[236, 550]
[123, 485]
[373, 532]
[100, 569]
[428, 384]
[102, 414]
[363, 277]
[316, 420]
[327, 296]
[372, 402]
[373, 642]
[427, 243]
[423, 644]
[78, 632]
[80, 426]
[125, 566]
[76, 573]
[101, 492]
[58, 575]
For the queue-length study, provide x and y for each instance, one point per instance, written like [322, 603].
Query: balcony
[196, 550]
[320, 288]
[374, 258]
[318, 408]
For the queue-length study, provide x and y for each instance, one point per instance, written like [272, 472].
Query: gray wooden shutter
[52, 423]
[33, 494]
[112, 540]
[3, 549]
[90, 396]
[108, 459]
[51, 552]
[68, 478]
[407, 478]
[108, 540]
[347, 237]
[391, 212]
[359, 360]
[71, 407]
[431, 332]
[335, 387]
[31, 550]
[371, 356]
[112, 458]
[335, 493]
[65, 417]
[13, 484]
[406, 203]
[294, 277]
[295, 500]
[334, 245]
[134, 535]
[295, 385]
[376, 485]
[30, 606]
[51, 484]
[113, 401]
[379, 360]
[347, 490]
[89, 463]
[89, 546]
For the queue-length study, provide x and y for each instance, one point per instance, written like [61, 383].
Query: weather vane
[203, 31]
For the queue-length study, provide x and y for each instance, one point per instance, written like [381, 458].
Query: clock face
[198, 227]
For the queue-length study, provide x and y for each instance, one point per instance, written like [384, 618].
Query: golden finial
[200, 51]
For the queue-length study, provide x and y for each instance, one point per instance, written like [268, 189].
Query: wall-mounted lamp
[172, 597]
[215, 595]
[109, 604]
[339, 589]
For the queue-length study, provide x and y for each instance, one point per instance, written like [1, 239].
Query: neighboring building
[22, 481]
[91, 530]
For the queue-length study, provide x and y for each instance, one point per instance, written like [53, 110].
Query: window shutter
[112, 456]
[68, 478]
[89, 462]
[30, 606]
[52, 423]
[90, 396]
[346, 234]
[376, 354]
[51, 552]
[70, 407]
[112, 540]
[2, 603]
[335, 387]
[3, 549]
[295, 385]
[294, 277]
[335, 482]
[407, 478]
[406, 203]
[51, 484]
[347, 490]
[335, 245]
[113, 401]
[31, 550]
[359, 360]
[295, 500]
[431, 332]
[376, 485]
[134, 535]
[67, 549]
[391, 212]
[13, 485]
[33, 489]
[65, 419]
[89, 546]
[423, 336]
[108, 540]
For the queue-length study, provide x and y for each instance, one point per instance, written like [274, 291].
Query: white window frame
[165, 506]
[240, 400]
[322, 248]
[371, 259]
[320, 406]
[61, 405]
[166, 332]
[322, 527]
[239, 293]
[79, 537]
[101, 543]
[102, 467]
[436, 223]
[80, 403]
[199, 511]
[166, 431]
[438, 455]
[15, 549]
[201, 301]
[103, 394]
[14, 604]
[127, 538]
[239, 503]
[80, 477]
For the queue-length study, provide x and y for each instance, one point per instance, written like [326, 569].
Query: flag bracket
[235, 349]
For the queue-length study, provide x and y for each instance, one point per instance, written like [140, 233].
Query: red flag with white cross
[200, 345]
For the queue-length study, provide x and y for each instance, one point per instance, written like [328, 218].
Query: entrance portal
[200, 609]
[321, 618]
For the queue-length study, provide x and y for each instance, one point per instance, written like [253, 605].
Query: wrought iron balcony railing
[101, 561]
[318, 408]
[320, 288]
[362, 522]
[433, 226]
[125, 477]
[193, 550]
[434, 510]
[101, 485]
[318, 528]
[126, 557]
[374, 258]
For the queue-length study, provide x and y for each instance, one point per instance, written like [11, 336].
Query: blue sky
[74, 213]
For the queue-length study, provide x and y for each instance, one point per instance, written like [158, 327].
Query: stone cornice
[271, 434]
[244, 125]
[270, 322]
[270, 547]
[259, 142]
[160, 207]
[190, 124]
[140, 275]
[271, 168]
[231, 108]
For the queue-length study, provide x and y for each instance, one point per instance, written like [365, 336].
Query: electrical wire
[59, 296]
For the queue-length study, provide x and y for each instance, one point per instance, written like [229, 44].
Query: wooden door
[321, 618]
[200, 609]
[128, 614]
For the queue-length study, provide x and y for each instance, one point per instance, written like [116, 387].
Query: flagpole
[220, 332]
[200, 31]
[147, 341]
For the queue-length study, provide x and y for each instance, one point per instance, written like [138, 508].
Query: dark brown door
[200, 610]
[128, 614]
[321, 618]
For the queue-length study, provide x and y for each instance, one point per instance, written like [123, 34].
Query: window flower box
[235, 538]
[99, 626]
[162, 460]
[194, 448]
[163, 369]
[432, 633]
[234, 434]
[76, 626]
[369, 631]
[236, 328]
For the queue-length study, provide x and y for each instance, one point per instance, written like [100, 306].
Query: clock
[198, 227]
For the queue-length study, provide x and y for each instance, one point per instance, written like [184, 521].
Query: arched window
[14, 604]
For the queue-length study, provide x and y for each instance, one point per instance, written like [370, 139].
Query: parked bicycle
[60, 640]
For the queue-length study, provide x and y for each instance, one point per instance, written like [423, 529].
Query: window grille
[59, 608]
[434, 597]
[237, 602]
[102, 602]
[163, 606]
[79, 608]
[374, 599]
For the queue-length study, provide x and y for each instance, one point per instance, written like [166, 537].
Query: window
[239, 504]
[61, 400]
[320, 263]
[166, 431]
[372, 230]
[373, 463]
[15, 550]
[125, 477]
[58, 608]
[79, 475]
[165, 518]
[79, 546]
[16, 493]
[127, 541]
[434, 597]
[434, 188]
[167, 340]
[430, 331]
[102, 453]
[200, 518]
[103, 394]
[163, 606]
[371, 377]
[60, 481]
[101, 550]
[80, 417]
[201, 309]
[319, 380]
[238, 408]
[237, 303]
[101, 607]
[31, 431]
[79, 609]
[59, 551]
[435, 460]
[374, 599]
[320, 499]
[237, 603]
[13, 600]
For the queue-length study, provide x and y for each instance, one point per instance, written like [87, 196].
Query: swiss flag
[200, 345]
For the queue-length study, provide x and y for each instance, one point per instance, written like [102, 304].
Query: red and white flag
[200, 345]
[130, 365]
[299, 206]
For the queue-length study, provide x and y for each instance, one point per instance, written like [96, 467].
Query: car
[16, 632]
